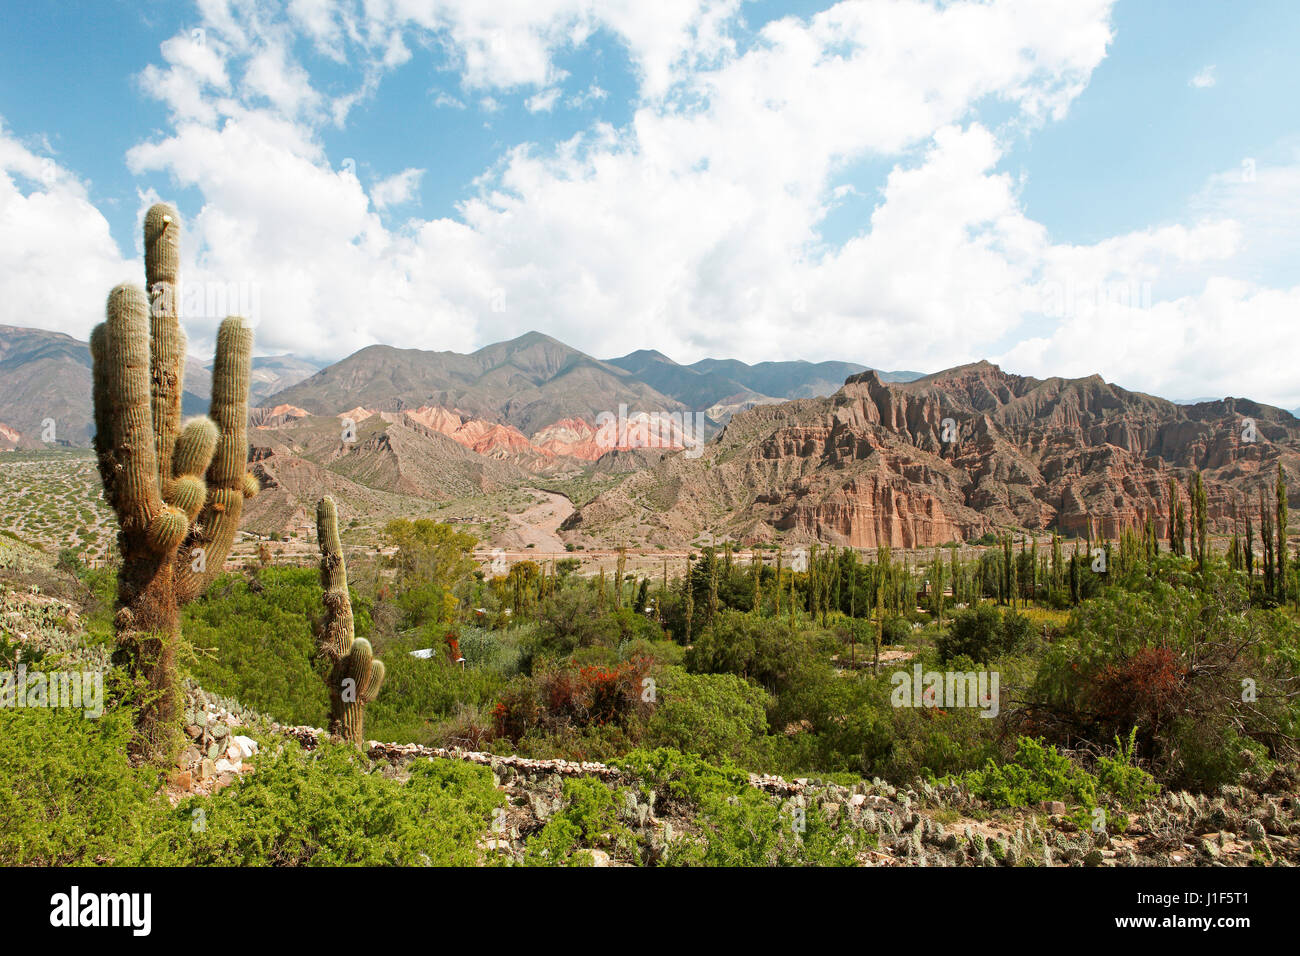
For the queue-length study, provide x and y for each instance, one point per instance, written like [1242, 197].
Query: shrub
[328, 808]
[1036, 773]
[895, 630]
[72, 797]
[69, 794]
[568, 695]
[255, 642]
[984, 634]
[737, 824]
[590, 818]
[716, 716]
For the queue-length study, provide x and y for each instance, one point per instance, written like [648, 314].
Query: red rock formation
[953, 455]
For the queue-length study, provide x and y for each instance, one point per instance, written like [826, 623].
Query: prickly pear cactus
[355, 675]
[170, 486]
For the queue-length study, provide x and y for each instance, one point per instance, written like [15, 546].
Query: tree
[429, 551]
[1200, 522]
[1280, 492]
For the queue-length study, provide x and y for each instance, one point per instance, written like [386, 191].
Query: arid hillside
[950, 456]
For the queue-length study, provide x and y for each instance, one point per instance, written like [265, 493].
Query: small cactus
[355, 676]
[166, 484]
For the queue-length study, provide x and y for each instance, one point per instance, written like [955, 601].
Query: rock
[247, 746]
[182, 780]
[194, 731]
[234, 754]
[1053, 807]
[207, 768]
[226, 766]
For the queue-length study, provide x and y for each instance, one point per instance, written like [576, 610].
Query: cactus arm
[374, 681]
[336, 635]
[103, 421]
[129, 452]
[209, 542]
[167, 341]
[191, 454]
[358, 677]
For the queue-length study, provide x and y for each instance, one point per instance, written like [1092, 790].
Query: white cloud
[396, 189]
[1204, 78]
[57, 258]
[696, 228]
[592, 94]
[544, 101]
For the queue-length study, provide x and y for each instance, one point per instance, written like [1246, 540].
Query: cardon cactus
[169, 486]
[354, 675]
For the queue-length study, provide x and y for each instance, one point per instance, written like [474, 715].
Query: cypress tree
[1249, 554]
[688, 598]
[776, 590]
[1280, 492]
[1266, 538]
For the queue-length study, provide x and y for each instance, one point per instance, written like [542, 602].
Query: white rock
[247, 746]
[234, 753]
[227, 766]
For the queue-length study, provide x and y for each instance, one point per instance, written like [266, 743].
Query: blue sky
[750, 180]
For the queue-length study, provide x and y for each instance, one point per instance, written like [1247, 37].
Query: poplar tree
[1280, 492]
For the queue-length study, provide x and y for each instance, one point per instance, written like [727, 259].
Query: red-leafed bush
[573, 696]
[1145, 690]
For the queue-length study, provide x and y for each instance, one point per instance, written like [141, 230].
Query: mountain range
[528, 384]
[46, 376]
[828, 451]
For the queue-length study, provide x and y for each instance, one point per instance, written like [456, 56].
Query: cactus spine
[355, 676]
[165, 484]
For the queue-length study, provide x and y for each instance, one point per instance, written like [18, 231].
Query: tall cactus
[168, 485]
[355, 676]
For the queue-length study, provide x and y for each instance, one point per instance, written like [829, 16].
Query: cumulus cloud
[396, 189]
[57, 258]
[697, 227]
[544, 101]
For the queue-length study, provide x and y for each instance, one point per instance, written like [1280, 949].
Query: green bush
[737, 824]
[257, 645]
[983, 634]
[1038, 772]
[589, 820]
[328, 807]
[69, 794]
[716, 716]
[895, 630]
